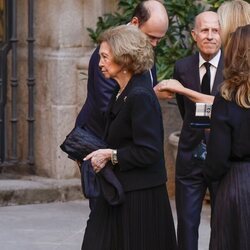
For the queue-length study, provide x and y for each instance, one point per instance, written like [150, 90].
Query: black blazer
[186, 71]
[135, 129]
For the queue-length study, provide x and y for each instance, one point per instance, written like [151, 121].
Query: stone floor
[59, 226]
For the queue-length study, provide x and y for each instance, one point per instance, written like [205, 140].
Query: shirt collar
[214, 61]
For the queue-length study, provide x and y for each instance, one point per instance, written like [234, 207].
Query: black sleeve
[219, 146]
[179, 98]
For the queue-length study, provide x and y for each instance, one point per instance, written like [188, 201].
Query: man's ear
[193, 33]
[135, 21]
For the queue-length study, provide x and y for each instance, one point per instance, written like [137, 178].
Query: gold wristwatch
[114, 159]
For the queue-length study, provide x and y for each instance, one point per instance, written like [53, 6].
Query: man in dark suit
[191, 71]
[152, 19]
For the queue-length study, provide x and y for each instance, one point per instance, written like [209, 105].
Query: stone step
[20, 190]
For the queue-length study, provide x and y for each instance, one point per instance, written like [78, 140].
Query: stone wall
[172, 122]
[59, 29]
[62, 51]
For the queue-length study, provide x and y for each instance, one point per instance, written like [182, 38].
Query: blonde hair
[232, 14]
[236, 86]
[130, 47]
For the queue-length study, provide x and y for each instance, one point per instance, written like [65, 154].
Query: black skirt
[231, 218]
[143, 222]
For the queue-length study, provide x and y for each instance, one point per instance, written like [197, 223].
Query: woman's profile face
[109, 68]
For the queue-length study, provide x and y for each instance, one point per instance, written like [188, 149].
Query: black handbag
[79, 143]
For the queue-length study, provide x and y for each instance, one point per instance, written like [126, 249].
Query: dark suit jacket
[186, 71]
[99, 92]
[135, 129]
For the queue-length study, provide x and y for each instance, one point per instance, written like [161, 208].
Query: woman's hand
[174, 86]
[171, 85]
[163, 93]
[99, 158]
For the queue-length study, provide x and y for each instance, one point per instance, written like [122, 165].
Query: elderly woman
[134, 133]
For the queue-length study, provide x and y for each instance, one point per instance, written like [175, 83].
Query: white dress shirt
[214, 65]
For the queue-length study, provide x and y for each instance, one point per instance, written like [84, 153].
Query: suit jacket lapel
[109, 113]
[119, 102]
[116, 104]
[218, 76]
[195, 75]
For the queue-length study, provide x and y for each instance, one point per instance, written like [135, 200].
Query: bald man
[155, 23]
[191, 185]
[152, 18]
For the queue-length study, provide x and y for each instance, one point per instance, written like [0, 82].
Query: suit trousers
[190, 192]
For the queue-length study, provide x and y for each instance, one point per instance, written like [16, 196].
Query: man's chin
[211, 48]
[211, 51]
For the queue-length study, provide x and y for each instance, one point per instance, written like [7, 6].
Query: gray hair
[130, 47]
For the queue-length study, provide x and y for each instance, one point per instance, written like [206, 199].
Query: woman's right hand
[99, 158]
[171, 85]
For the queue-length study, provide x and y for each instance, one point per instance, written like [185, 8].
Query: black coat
[135, 129]
[78, 144]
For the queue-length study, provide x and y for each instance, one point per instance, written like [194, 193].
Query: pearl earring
[124, 71]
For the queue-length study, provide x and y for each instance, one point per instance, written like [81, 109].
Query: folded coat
[79, 143]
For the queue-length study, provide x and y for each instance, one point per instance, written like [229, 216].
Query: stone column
[61, 55]
[172, 122]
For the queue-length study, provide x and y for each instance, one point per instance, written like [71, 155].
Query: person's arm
[162, 95]
[174, 86]
[146, 146]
